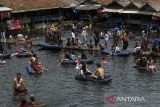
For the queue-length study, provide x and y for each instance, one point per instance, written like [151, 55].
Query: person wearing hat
[99, 73]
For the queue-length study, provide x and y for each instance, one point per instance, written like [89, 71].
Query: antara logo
[112, 99]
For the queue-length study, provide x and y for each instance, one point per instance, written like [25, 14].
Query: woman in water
[78, 61]
[84, 71]
[66, 56]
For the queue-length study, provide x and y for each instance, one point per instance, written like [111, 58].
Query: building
[87, 10]
[32, 12]
[138, 14]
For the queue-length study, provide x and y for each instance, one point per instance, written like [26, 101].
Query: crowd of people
[53, 35]
[85, 36]
[144, 52]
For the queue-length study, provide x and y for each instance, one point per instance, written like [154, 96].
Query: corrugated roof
[144, 1]
[89, 2]
[138, 4]
[151, 6]
[88, 7]
[156, 6]
[123, 3]
[104, 2]
[2, 9]
[18, 5]
[133, 6]
[113, 10]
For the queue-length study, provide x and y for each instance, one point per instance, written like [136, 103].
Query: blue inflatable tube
[5, 56]
[50, 46]
[29, 69]
[156, 41]
[107, 51]
[123, 53]
[23, 55]
[73, 62]
[106, 80]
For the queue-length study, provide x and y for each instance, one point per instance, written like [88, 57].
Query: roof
[104, 2]
[89, 2]
[117, 4]
[137, 12]
[151, 7]
[72, 3]
[156, 6]
[2, 9]
[124, 3]
[20, 5]
[113, 10]
[144, 1]
[133, 5]
[88, 5]
[138, 4]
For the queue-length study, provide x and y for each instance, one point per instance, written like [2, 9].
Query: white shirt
[137, 49]
[73, 35]
[117, 49]
[106, 37]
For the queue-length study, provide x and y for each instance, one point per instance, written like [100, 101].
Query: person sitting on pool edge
[99, 74]
[19, 85]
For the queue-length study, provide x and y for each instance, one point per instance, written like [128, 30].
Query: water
[58, 88]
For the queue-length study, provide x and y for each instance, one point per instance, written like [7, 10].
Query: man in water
[19, 85]
[99, 74]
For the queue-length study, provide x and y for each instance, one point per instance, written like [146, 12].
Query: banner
[14, 24]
